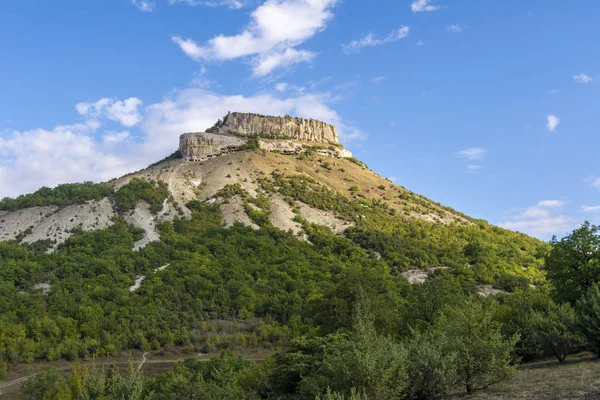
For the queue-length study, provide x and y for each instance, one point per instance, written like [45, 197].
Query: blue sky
[490, 107]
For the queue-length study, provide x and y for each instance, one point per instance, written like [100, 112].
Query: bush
[431, 368]
[483, 355]
[556, 331]
[588, 309]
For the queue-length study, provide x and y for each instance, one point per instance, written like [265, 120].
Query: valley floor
[578, 378]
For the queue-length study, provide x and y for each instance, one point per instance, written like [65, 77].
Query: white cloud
[473, 167]
[551, 203]
[455, 28]
[420, 43]
[275, 29]
[379, 79]
[125, 112]
[144, 5]
[590, 209]
[552, 123]
[471, 153]
[594, 181]
[112, 138]
[554, 91]
[69, 153]
[422, 6]
[267, 63]
[282, 86]
[583, 78]
[233, 4]
[542, 220]
[370, 40]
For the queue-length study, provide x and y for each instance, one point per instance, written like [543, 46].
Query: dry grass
[577, 378]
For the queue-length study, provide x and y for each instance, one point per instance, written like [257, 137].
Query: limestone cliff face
[277, 127]
[201, 146]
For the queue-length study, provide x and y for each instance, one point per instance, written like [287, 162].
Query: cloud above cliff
[94, 150]
[126, 112]
[270, 39]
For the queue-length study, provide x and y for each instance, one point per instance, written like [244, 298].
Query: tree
[573, 264]
[431, 368]
[483, 355]
[588, 310]
[556, 330]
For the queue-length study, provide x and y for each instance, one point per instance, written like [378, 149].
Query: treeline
[61, 196]
[125, 198]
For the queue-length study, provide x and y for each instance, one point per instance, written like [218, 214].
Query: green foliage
[516, 316]
[251, 144]
[87, 383]
[230, 190]
[138, 189]
[62, 196]
[573, 265]
[361, 361]
[430, 299]
[221, 378]
[483, 355]
[354, 395]
[588, 309]
[431, 367]
[357, 162]
[556, 331]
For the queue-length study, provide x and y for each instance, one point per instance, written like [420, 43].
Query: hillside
[239, 239]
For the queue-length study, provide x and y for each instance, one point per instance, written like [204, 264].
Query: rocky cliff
[276, 127]
[201, 146]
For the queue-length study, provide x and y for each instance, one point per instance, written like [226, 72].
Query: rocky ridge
[255, 125]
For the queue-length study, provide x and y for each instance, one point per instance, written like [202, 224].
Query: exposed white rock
[488, 290]
[143, 218]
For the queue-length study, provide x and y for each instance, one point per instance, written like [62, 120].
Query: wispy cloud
[423, 6]
[144, 5]
[593, 181]
[552, 122]
[583, 78]
[473, 153]
[590, 209]
[379, 79]
[233, 4]
[420, 43]
[370, 40]
[542, 220]
[455, 28]
[473, 167]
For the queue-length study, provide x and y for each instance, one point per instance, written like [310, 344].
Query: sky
[489, 107]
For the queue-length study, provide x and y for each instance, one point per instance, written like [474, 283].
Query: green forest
[342, 320]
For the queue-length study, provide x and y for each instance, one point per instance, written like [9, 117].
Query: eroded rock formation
[201, 146]
[287, 127]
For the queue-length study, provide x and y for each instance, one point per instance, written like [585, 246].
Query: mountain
[290, 171]
[252, 234]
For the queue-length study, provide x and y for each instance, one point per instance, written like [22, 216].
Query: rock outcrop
[244, 124]
[201, 146]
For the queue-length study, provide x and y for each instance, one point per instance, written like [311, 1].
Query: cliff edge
[255, 125]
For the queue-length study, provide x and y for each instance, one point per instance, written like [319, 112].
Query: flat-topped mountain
[255, 125]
